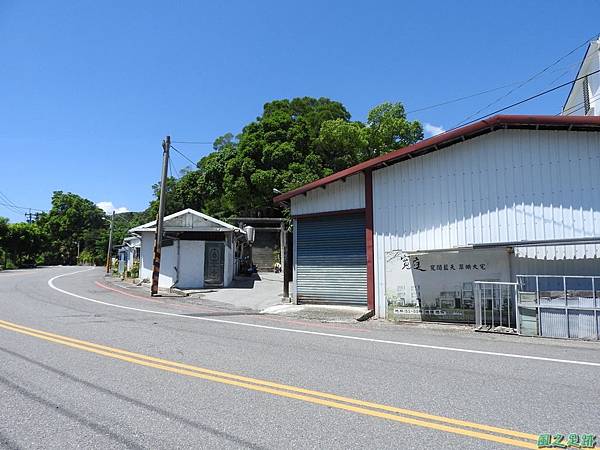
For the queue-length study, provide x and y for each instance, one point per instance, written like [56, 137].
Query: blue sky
[89, 89]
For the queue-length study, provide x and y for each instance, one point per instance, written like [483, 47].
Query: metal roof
[151, 226]
[536, 122]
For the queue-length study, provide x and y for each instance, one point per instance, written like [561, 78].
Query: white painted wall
[574, 104]
[190, 263]
[336, 196]
[508, 185]
[229, 262]
[146, 255]
[130, 257]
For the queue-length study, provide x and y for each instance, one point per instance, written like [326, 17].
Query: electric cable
[536, 75]
[195, 164]
[547, 91]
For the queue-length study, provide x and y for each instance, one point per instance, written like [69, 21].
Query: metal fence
[495, 306]
[559, 306]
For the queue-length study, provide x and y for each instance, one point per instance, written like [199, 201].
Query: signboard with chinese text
[438, 286]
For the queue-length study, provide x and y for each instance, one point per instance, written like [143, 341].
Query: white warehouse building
[505, 196]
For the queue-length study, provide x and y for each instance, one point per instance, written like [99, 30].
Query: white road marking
[317, 333]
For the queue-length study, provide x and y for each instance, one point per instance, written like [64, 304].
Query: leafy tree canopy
[292, 143]
[23, 242]
[72, 220]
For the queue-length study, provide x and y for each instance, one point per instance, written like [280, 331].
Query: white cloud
[432, 130]
[108, 208]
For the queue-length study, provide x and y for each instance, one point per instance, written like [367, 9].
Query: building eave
[151, 226]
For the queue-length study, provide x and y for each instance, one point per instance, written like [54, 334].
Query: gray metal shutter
[331, 259]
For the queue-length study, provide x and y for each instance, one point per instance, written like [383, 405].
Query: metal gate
[495, 306]
[559, 306]
[331, 261]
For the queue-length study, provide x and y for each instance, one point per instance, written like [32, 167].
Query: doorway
[214, 263]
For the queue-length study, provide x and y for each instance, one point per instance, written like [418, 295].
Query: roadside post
[159, 220]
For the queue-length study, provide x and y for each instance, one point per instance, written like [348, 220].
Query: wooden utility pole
[109, 251]
[161, 215]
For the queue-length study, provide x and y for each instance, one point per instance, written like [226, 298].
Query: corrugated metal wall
[533, 266]
[331, 259]
[508, 185]
[336, 196]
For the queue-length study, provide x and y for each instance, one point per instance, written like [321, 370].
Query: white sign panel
[438, 286]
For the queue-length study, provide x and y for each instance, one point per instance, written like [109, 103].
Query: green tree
[72, 220]
[292, 143]
[174, 201]
[3, 229]
[342, 144]
[389, 129]
[200, 188]
[3, 232]
[278, 150]
[24, 243]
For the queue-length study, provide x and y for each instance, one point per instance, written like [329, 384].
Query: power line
[19, 209]
[570, 110]
[487, 91]
[12, 209]
[525, 82]
[172, 167]
[193, 142]
[195, 164]
[455, 100]
[526, 100]
[5, 198]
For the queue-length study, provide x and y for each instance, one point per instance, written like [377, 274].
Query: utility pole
[161, 215]
[109, 251]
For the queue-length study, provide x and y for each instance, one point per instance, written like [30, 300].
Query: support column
[369, 240]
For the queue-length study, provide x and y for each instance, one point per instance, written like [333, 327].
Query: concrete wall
[229, 261]
[146, 256]
[191, 264]
[335, 197]
[188, 257]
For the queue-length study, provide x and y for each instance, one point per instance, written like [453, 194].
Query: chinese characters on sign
[414, 263]
[571, 440]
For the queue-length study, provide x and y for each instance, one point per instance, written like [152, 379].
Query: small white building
[129, 252]
[197, 251]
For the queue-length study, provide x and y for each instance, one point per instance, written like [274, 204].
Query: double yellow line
[405, 416]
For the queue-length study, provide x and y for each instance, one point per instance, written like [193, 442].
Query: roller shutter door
[331, 263]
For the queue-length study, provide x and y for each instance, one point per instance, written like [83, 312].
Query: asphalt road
[85, 363]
